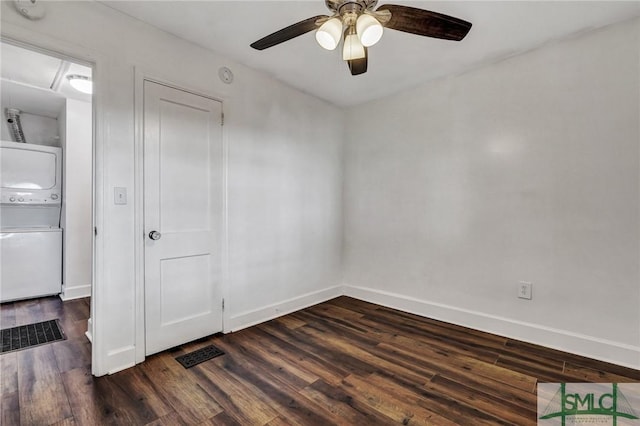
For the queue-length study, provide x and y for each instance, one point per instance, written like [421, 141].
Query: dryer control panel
[29, 198]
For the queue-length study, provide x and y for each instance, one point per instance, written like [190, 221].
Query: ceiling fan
[363, 28]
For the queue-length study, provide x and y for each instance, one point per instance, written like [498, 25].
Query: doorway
[183, 199]
[54, 116]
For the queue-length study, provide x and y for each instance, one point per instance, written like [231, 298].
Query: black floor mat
[27, 336]
[201, 355]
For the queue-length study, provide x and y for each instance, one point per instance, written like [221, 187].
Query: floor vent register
[198, 356]
[30, 335]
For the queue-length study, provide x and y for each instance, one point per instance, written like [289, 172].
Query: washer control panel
[30, 199]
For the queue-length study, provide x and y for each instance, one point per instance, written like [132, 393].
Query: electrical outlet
[524, 290]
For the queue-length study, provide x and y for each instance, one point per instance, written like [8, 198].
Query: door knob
[155, 235]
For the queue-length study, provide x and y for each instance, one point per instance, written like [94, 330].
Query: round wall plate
[30, 9]
[225, 75]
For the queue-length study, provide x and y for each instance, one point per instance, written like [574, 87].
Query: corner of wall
[257, 316]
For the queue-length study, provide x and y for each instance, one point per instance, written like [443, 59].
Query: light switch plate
[119, 195]
[524, 290]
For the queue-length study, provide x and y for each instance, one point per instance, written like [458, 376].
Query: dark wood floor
[341, 362]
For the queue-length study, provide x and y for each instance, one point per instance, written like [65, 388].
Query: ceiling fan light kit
[363, 27]
[329, 33]
[369, 30]
[353, 48]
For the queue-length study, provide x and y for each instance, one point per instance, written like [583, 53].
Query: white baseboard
[579, 344]
[250, 318]
[75, 292]
[89, 332]
[120, 359]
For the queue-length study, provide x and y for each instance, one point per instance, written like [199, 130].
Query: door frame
[140, 77]
[22, 37]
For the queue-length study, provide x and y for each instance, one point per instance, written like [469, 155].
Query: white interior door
[183, 206]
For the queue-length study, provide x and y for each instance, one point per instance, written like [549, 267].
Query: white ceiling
[399, 61]
[27, 79]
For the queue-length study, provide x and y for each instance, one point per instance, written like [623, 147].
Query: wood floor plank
[391, 334]
[10, 408]
[492, 404]
[443, 362]
[241, 400]
[586, 374]
[335, 312]
[72, 353]
[29, 311]
[8, 373]
[69, 421]
[437, 331]
[305, 360]
[392, 400]
[338, 362]
[172, 419]
[101, 401]
[342, 362]
[87, 404]
[290, 322]
[345, 408]
[176, 387]
[528, 349]
[273, 358]
[524, 366]
[222, 419]
[283, 393]
[372, 362]
[448, 408]
[43, 401]
[8, 315]
[42, 395]
[280, 421]
[138, 387]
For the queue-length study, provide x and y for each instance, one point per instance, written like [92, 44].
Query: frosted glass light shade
[81, 83]
[352, 49]
[329, 33]
[369, 30]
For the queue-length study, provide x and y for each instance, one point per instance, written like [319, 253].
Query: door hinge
[222, 119]
[95, 230]
[223, 304]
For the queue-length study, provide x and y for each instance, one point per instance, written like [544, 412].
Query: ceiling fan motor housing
[345, 6]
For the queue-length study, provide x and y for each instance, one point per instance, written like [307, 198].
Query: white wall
[76, 204]
[526, 169]
[284, 175]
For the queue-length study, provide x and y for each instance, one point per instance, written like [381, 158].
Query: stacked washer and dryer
[30, 233]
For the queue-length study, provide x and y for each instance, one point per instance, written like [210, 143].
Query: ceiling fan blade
[425, 23]
[292, 31]
[359, 66]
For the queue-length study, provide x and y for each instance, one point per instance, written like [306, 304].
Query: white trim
[138, 213]
[140, 76]
[98, 298]
[120, 359]
[224, 258]
[564, 340]
[89, 332]
[75, 292]
[251, 318]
